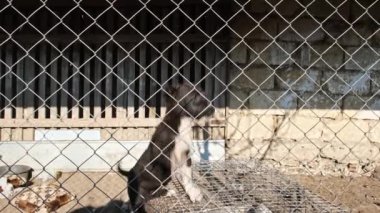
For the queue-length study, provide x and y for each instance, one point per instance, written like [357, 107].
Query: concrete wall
[119, 134]
[304, 87]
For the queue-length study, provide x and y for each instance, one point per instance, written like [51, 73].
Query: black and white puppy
[168, 153]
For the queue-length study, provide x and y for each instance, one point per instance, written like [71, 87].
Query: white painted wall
[66, 135]
[53, 156]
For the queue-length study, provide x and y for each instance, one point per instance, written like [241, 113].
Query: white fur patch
[194, 193]
[184, 138]
[171, 192]
[179, 157]
[182, 144]
[125, 165]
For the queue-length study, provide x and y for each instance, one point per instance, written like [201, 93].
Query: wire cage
[243, 186]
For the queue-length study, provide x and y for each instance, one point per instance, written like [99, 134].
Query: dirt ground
[361, 194]
[94, 191]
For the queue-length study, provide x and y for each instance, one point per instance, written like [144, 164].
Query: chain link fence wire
[294, 84]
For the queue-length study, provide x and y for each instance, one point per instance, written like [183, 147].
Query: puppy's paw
[170, 193]
[195, 194]
[125, 207]
[124, 197]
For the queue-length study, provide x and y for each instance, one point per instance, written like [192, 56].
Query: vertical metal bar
[29, 75]
[109, 83]
[130, 77]
[98, 88]
[221, 73]
[2, 82]
[164, 77]
[121, 111]
[86, 86]
[53, 85]
[109, 60]
[210, 60]
[41, 81]
[64, 88]
[186, 69]
[142, 61]
[175, 55]
[20, 87]
[153, 87]
[197, 65]
[75, 81]
[8, 82]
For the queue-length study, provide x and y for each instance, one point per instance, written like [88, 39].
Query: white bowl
[22, 171]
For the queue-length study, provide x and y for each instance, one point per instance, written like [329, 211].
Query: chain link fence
[294, 85]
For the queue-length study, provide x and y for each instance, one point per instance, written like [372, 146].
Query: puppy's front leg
[192, 190]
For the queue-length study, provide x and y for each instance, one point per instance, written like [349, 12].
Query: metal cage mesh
[241, 186]
[295, 84]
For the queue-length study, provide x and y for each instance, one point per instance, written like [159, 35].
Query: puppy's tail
[122, 171]
[133, 187]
